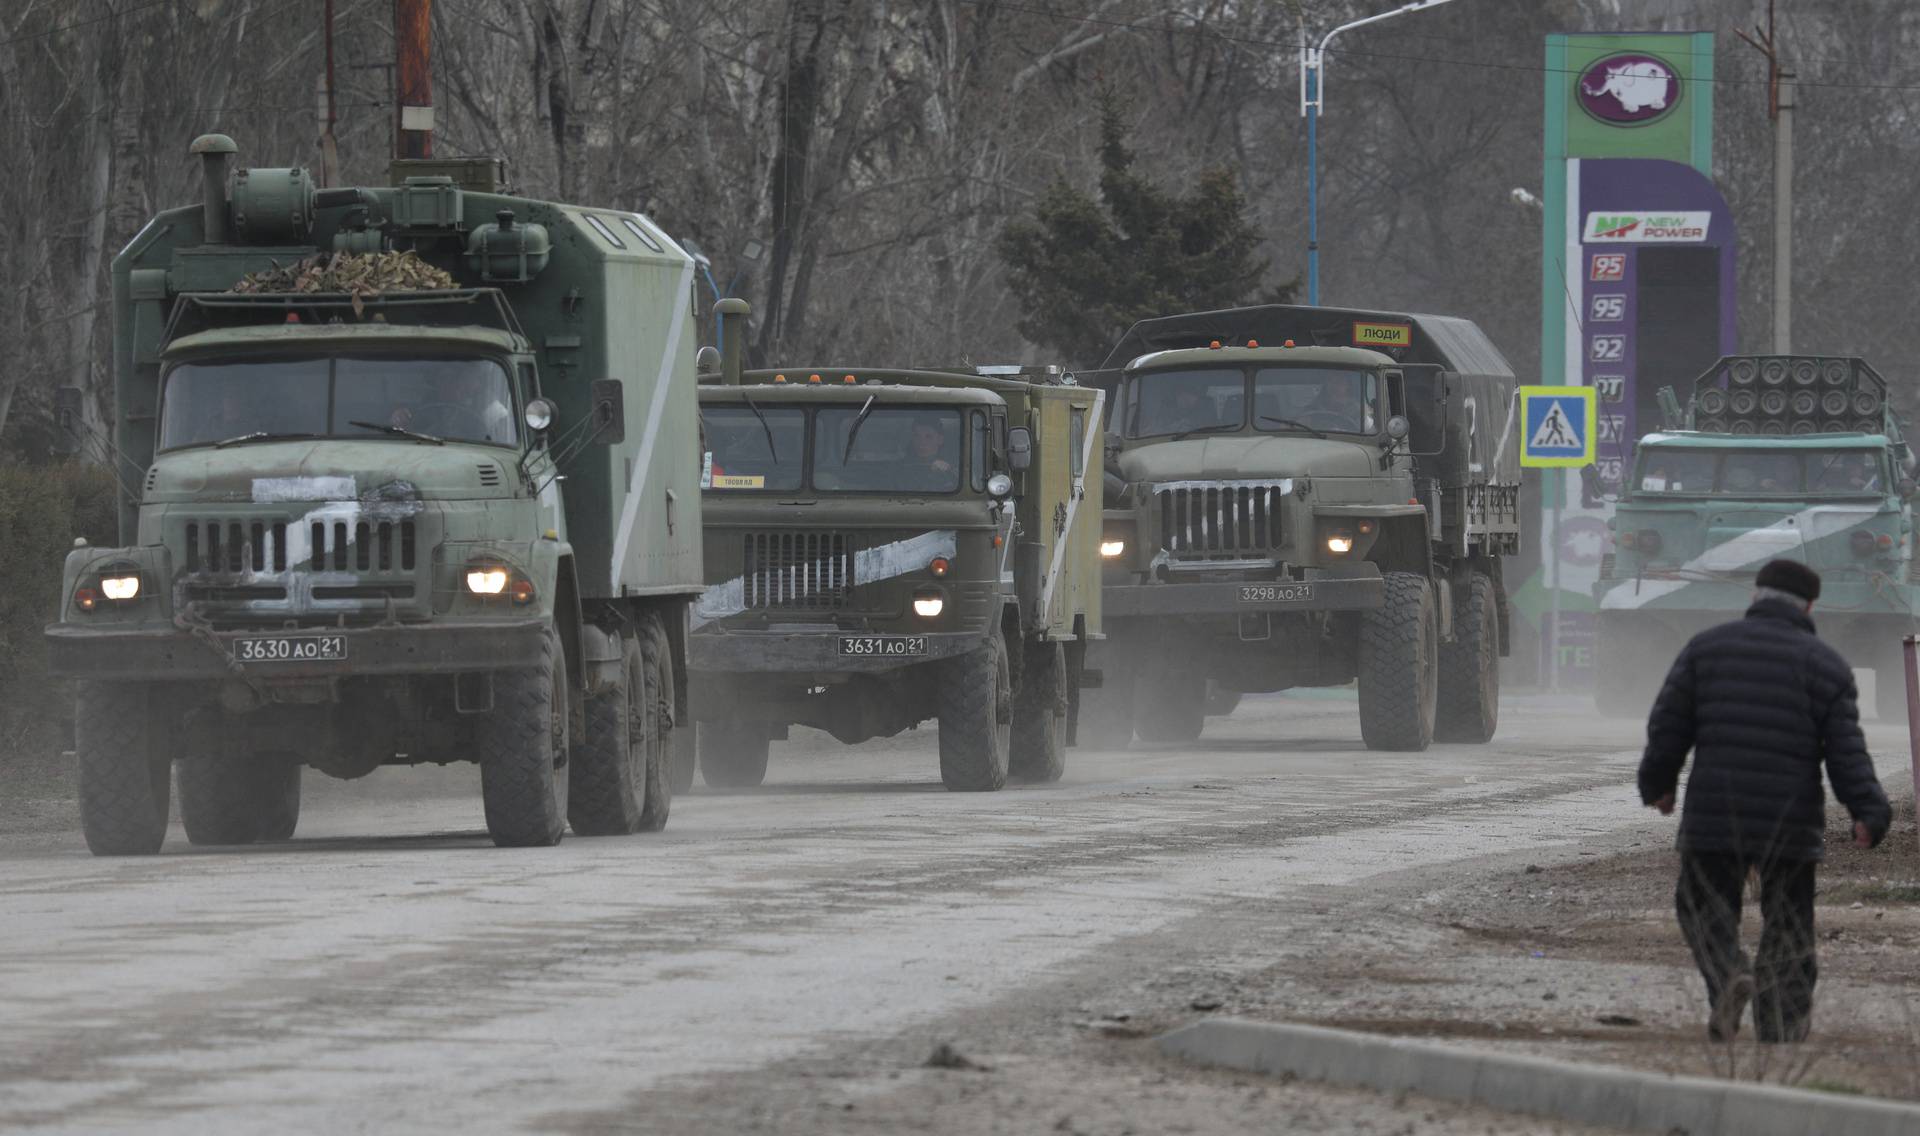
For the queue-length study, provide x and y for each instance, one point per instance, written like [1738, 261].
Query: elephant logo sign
[1629, 89]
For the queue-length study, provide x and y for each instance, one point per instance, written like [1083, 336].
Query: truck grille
[261, 546]
[1220, 521]
[797, 571]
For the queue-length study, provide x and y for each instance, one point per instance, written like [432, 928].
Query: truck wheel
[657, 658]
[238, 800]
[1037, 749]
[1399, 672]
[686, 756]
[523, 752]
[1172, 706]
[1470, 668]
[1106, 711]
[1221, 703]
[608, 784]
[733, 754]
[124, 769]
[976, 712]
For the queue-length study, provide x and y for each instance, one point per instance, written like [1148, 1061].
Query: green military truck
[1301, 497]
[1791, 456]
[417, 482]
[889, 546]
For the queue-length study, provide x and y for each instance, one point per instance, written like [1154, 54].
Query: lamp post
[1312, 99]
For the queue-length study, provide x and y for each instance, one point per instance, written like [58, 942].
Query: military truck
[417, 483]
[1795, 456]
[1304, 496]
[888, 546]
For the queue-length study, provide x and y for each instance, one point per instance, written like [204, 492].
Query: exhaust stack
[213, 150]
[733, 338]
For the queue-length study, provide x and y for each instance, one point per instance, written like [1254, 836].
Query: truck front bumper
[1126, 601]
[812, 652]
[167, 653]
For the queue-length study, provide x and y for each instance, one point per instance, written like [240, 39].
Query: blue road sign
[1557, 426]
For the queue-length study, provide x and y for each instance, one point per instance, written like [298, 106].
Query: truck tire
[245, 799]
[125, 770]
[976, 718]
[1037, 745]
[1470, 668]
[1399, 666]
[1221, 703]
[607, 776]
[1106, 711]
[656, 656]
[1172, 706]
[733, 754]
[686, 756]
[522, 746]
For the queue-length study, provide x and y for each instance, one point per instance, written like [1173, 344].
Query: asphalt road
[772, 955]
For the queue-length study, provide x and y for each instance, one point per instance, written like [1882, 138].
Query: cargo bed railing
[452, 307]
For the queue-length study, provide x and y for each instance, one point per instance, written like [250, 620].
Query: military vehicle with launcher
[1300, 497]
[417, 482]
[887, 546]
[1794, 456]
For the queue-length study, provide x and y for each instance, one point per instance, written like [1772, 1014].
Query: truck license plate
[1276, 593]
[290, 648]
[883, 646]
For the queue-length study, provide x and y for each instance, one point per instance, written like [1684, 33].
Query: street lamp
[1312, 98]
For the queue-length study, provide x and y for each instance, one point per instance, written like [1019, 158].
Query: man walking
[1763, 703]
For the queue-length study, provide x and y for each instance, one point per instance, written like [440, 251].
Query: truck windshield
[1760, 473]
[1323, 398]
[464, 399]
[1215, 400]
[764, 451]
[870, 449]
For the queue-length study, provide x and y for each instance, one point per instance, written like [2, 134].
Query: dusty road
[780, 960]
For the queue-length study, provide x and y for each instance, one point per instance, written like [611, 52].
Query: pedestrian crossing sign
[1556, 426]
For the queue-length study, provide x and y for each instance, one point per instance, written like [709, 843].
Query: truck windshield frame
[1760, 472]
[1304, 399]
[883, 458]
[243, 397]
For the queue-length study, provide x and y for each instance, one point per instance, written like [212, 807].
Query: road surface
[782, 959]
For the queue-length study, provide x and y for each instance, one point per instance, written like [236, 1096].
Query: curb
[1600, 1095]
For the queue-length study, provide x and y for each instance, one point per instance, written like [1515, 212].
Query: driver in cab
[1340, 407]
[446, 408]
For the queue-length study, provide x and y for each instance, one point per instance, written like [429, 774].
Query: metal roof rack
[453, 307]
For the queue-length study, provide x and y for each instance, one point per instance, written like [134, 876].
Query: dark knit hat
[1790, 576]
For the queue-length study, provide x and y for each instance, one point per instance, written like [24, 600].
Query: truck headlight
[999, 485]
[1340, 543]
[1111, 549]
[486, 581]
[928, 605]
[120, 587]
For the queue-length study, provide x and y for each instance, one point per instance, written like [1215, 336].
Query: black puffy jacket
[1762, 702]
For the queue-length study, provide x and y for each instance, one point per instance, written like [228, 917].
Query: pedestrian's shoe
[1723, 1024]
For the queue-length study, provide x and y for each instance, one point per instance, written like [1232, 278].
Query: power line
[1482, 64]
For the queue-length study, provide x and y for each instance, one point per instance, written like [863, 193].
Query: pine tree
[1087, 268]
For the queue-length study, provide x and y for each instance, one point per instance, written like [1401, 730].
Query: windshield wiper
[260, 436]
[399, 431]
[1216, 428]
[773, 451]
[853, 433]
[1293, 422]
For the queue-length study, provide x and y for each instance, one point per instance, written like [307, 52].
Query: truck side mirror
[609, 412]
[67, 404]
[1019, 449]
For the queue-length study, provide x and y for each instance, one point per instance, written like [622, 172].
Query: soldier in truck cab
[449, 404]
[929, 446]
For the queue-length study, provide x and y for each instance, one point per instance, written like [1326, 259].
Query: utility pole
[329, 151]
[413, 77]
[1780, 110]
[1313, 81]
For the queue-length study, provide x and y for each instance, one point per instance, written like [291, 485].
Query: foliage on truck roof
[1456, 344]
[353, 273]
